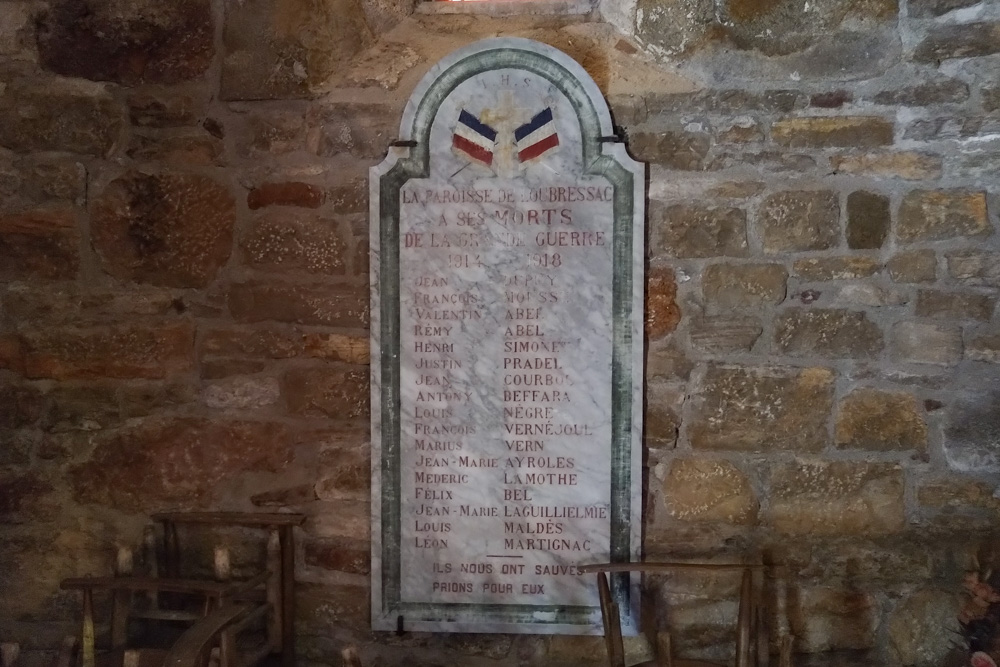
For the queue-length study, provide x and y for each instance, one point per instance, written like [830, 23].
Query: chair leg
[88, 657]
[785, 656]
[612, 623]
[743, 624]
[664, 651]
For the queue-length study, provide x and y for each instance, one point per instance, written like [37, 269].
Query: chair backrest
[751, 635]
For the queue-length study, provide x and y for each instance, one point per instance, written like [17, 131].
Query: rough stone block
[332, 305]
[836, 498]
[742, 130]
[868, 220]
[293, 243]
[273, 133]
[276, 49]
[89, 408]
[351, 198]
[766, 160]
[128, 42]
[923, 626]
[906, 165]
[919, 343]
[725, 333]
[43, 244]
[931, 8]
[674, 27]
[833, 131]
[148, 398]
[799, 220]
[881, 421]
[673, 149]
[89, 120]
[955, 305]
[361, 130]
[836, 268]
[305, 195]
[972, 434]
[709, 490]
[958, 494]
[830, 619]
[163, 462]
[743, 285]
[931, 215]
[150, 108]
[867, 294]
[763, 409]
[688, 230]
[195, 148]
[958, 40]
[241, 393]
[833, 333]
[121, 351]
[338, 347]
[20, 405]
[943, 91]
[339, 555]
[45, 179]
[259, 341]
[174, 230]
[341, 393]
[974, 267]
[666, 360]
[662, 311]
[984, 348]
[914, 266]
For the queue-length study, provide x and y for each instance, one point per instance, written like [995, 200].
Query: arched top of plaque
[504, 107]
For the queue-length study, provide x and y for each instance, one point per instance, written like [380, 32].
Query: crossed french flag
[537, 136]
[477, 140]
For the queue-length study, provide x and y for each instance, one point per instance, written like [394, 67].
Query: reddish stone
[295, 243]
[174, 230]
[122, 351]
[161, 462]
[832, 100]
[45, 179]
[127, 42]
[662, 311]
[42, 244]
[339, 554]
[333, 305]
[215, 369]
[289, 193]
[327, 391]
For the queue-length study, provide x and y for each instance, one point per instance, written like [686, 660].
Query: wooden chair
[751, 633]
[217, 609]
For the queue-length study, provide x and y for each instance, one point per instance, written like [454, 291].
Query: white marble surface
[505, 364]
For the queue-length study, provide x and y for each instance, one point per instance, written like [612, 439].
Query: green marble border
[417, 165]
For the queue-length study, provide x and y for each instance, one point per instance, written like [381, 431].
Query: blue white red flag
[536, 137]
[474, 138]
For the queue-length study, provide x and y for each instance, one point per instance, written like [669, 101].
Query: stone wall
[183, 280]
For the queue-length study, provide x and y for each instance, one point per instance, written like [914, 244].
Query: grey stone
[724, 333]
[689, 230]
[972, 434]
[919, 343]
[799, 220]
[743, 285]
[833, 333]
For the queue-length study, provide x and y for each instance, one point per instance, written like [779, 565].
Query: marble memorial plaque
[507, 257]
